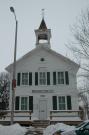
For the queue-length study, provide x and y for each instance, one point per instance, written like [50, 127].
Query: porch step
[40, 123]
[35, 131]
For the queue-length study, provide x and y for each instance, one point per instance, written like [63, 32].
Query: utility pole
[14, 68]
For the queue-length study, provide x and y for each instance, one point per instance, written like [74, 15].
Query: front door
[43, 109]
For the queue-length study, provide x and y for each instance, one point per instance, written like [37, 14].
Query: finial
[42, 13]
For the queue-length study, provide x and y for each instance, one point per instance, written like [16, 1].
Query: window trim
[60, 77]
[27, 80]
[65, 102]
[57, 78]
[42, 78]
[27, 103]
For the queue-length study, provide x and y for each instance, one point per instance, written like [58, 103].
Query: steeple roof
[43, 25]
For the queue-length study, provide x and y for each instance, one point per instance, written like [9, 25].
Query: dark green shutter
[31, 103]
[30, 78]
[36, 78]
[18, 79]
[54, 102]
[66, 77]
[69, 107]
[48, 78]
[54, 78]
[17, 103]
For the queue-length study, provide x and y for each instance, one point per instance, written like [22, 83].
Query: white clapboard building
[45, 80]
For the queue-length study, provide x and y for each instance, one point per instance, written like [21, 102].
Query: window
[24, 78]
[42, 78]
[60, 77]
[61, 103]
[24, 103]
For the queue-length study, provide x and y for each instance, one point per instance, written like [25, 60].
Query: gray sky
[59, 16]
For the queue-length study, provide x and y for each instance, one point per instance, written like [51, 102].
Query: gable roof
[46, 49]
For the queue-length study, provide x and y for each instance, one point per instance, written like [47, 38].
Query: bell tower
[43, 34]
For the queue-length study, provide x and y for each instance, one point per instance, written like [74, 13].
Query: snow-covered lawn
[50, 130]
[15, 129]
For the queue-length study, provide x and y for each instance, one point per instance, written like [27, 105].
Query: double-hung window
[61, 103]
[24, 102]
[42, 78]
[60, 77]
[24, 78]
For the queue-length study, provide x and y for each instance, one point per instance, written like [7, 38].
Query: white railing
[7, 113]
[64, 113]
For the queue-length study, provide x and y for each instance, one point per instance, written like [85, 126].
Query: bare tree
[80, 48]
[80, 45]
[4, 90]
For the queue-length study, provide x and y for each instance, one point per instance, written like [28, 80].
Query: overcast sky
[59, 16]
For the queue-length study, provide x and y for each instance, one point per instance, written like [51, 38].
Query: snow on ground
[15, 129]
[50, 130]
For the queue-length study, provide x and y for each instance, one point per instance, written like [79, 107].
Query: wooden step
[35, 131]
[40, 123]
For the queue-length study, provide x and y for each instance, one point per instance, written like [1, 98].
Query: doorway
[43, 109]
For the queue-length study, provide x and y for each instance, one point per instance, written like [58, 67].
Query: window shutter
[66, 78]
[3, 105]
[54, 78]
[69, 107]
[36, 78]
[54, 102]
[17, 103]
[48, 78]
[31, 103]
[18, 79]
[30, 78]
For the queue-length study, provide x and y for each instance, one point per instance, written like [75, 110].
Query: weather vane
[43, 13]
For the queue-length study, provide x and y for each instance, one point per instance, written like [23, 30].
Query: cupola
[43, 34]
